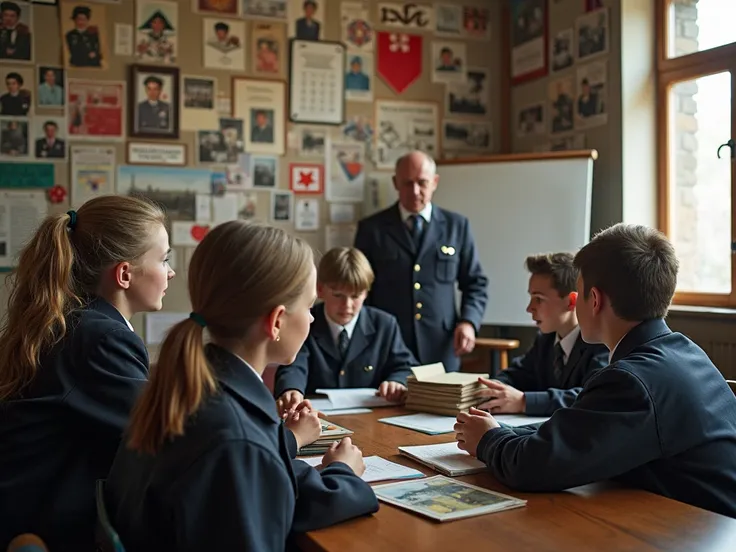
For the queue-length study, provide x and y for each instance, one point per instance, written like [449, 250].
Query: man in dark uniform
[84, 40]
[50, 146]
[262, 131]
[418, 252]
[306, 27]
[154, 115]
[15, 37]
[17, 100]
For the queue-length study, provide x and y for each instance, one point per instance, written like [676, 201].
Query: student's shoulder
[89, 326]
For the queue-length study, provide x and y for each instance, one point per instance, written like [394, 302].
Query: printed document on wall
[20, 214]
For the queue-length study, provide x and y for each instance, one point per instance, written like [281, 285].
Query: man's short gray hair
[429, 160]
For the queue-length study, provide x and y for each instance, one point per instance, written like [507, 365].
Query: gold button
[444, 249]
[418, 316]
[417, 285]
[368, 368]
[342, 372]
[417, 268]
[419, 305]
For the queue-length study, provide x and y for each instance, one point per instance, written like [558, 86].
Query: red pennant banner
[399, 60]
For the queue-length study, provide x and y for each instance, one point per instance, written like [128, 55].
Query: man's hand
[392, 391]
[288, 401]
[304, 424]
[503, 399]
[470, 428]
[464, 338]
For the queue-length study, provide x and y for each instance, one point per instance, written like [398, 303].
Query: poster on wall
[402, 127]
[528, 40]
[84, 28]
[398, 59]
[563, 51]
[224, 46]
[399, 15]
[345, 172]
[17, 22]
[592, 34]
[157, 25]
[359, 77]
[261, 105]
[93, 173]
[20, 214]
[265, 9]
[17, 98]
[466, 135]
[357, 31]
[268, 49]
[467, 22]
[198, 110]
[96, 109]
[306, 215]
[306, 19]
[317, 82]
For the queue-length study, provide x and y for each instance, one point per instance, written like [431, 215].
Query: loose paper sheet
[376, 469]
[159, 323]
[20, 214]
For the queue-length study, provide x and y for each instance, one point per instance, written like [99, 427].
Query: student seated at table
[349, 345]
[551, 374]
[207, 463]
[660, 417]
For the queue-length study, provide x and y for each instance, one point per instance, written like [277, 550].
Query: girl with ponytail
[71, 366]
[209, 465]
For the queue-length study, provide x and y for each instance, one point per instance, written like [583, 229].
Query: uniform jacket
[81, 45]
[533, 373]
[660, 417]
[231, 481]
[376, 353]
[418, 287]
[55, 151]
[61, 436]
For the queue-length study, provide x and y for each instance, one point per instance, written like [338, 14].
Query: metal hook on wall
[730, 144]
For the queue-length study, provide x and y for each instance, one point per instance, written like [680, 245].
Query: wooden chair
[486, 347]
[732, 385]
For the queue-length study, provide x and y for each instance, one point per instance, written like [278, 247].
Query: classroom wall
[48, 51]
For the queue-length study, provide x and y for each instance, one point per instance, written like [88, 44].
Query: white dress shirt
[425, 213]
[568, 342]
[336, 328]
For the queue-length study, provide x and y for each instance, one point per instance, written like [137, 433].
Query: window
[696, 106]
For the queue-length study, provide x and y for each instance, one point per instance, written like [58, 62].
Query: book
[445, 458]
[444, 499]
[432, 390]
[342, 399]
[376, 469]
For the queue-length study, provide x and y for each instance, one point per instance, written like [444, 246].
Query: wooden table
[599, 517]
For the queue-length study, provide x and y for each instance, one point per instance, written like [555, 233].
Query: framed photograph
[403, 126]
[306, 19]
[222, 7]
[261, 104]
[17, 98]
[157, 25]
[466, 135]
[151, 153]
[592, 95]
[49, 138]
[449, 62]
[83, 27]
[282, 206]
[312, 141]
[359, 77]
[529, 19]
[560, 93]
[198, 102]
[317, 89]
[96, 109]
[14, 133]
[265, 9]
[530, 120]
[224, 46]
[268, 49]
[469, 98]
[51, 83]
[154, 101]
[563, 51]
[592, 34]
[306, 178]
[306, 215]
[264, 171]
[17, 45]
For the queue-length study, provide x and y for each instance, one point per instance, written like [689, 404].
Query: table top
[601, 516]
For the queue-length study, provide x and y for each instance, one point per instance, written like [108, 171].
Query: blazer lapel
[434, 232]
[572, 361]
[362, 333]
[398, 230]
[322, 334]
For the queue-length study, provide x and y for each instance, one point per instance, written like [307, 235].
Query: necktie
[417, 227]
[559, 364]
[342, 342]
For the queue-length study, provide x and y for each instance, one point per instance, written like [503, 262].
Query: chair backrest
[732, 385]
[106, 538]
[27, 542]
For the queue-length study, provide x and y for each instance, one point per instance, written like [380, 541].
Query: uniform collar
[425, 213]
[568, 342]
[336, 328]
[108, 309]
[638, 335]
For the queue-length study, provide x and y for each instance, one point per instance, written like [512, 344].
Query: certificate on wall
[402, 127]
[317, 82]
[261, 106]
[93, 173]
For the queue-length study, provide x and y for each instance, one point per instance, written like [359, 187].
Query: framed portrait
[264, 171]
[224, 46]
[49, 138]
[268, 49]
[157, 25]
[153, 107]
[223, 7]
[83, 28]
[96, 109]
[261, 104]
[264, 9]
[14, 134]
[306, 19]
[282, 206]
[16, 100]
[16, 45]
[51, 85]
[449, 62]
[317, 90]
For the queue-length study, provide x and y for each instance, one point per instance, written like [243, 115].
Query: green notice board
[26, 175]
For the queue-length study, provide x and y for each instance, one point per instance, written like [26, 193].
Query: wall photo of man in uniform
[49, 138]
[84, 41]
[16, 38]
[155, 103]
[17, 100]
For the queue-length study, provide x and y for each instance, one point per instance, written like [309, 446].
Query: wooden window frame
[671, 71]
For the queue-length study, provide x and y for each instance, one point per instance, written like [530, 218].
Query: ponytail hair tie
[72, 224]
[198, 318]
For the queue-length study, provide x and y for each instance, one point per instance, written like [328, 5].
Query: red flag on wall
[399, 60]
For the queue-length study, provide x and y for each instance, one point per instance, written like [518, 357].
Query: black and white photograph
[211, 147]
[592, 34]
[16, 100]
[282, 204]
[232, 133]
[264, 171]
[448, 19]
[305, 19]
[471, 97]
[50, 90]
[16, 32]
[562, 50]
[14, 138]
[312, 142]
[154, 104]
[198, 103]
[466, 136]
[224, 46]
[561, 100]
[49, 138]
[592, 95]
[530, 121]
[528, 40]
[265, 9]
[449, 62]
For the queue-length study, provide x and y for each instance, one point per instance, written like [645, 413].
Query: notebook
[376, 469]
[445, 458]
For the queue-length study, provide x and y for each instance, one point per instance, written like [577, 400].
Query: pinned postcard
[306, 215]
[345, 172]
[187, 233]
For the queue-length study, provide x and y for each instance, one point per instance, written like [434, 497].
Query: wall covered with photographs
[287, 111]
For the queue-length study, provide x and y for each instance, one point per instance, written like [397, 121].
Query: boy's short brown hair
[635, 266]
[558, 266]
[345, 268]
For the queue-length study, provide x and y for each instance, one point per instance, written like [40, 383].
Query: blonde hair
[239, 273]
[345, 268]
[59, 270]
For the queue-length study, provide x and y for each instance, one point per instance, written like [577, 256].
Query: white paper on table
[433, 424]
[446, 456]
[159, 323]
[203, 211]
[225, 207]
[342, 213]
[354, 398]
[517, 420]
[376, 469]
[344, 411]
[20, 215]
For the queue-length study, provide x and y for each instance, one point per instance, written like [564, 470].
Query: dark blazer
[230, 482]
[533, 373]
[660, 417]
[56, 151]
[376, 353]
[307, 31]
[62, 434]
[418, 287]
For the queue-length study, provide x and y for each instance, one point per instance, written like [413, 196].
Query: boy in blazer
[660, 416]
[553, 371]
[349, 345]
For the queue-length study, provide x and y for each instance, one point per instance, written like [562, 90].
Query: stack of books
[431, 389]
[329, 434]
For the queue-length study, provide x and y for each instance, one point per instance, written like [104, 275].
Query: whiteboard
[519, 207]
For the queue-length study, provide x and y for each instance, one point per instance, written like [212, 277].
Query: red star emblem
[306, 178]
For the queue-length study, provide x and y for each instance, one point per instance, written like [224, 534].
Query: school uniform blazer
[230, 482]
[533, 373]
[376, 353]
[660, 417]
[417, 286]
[61, 435]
